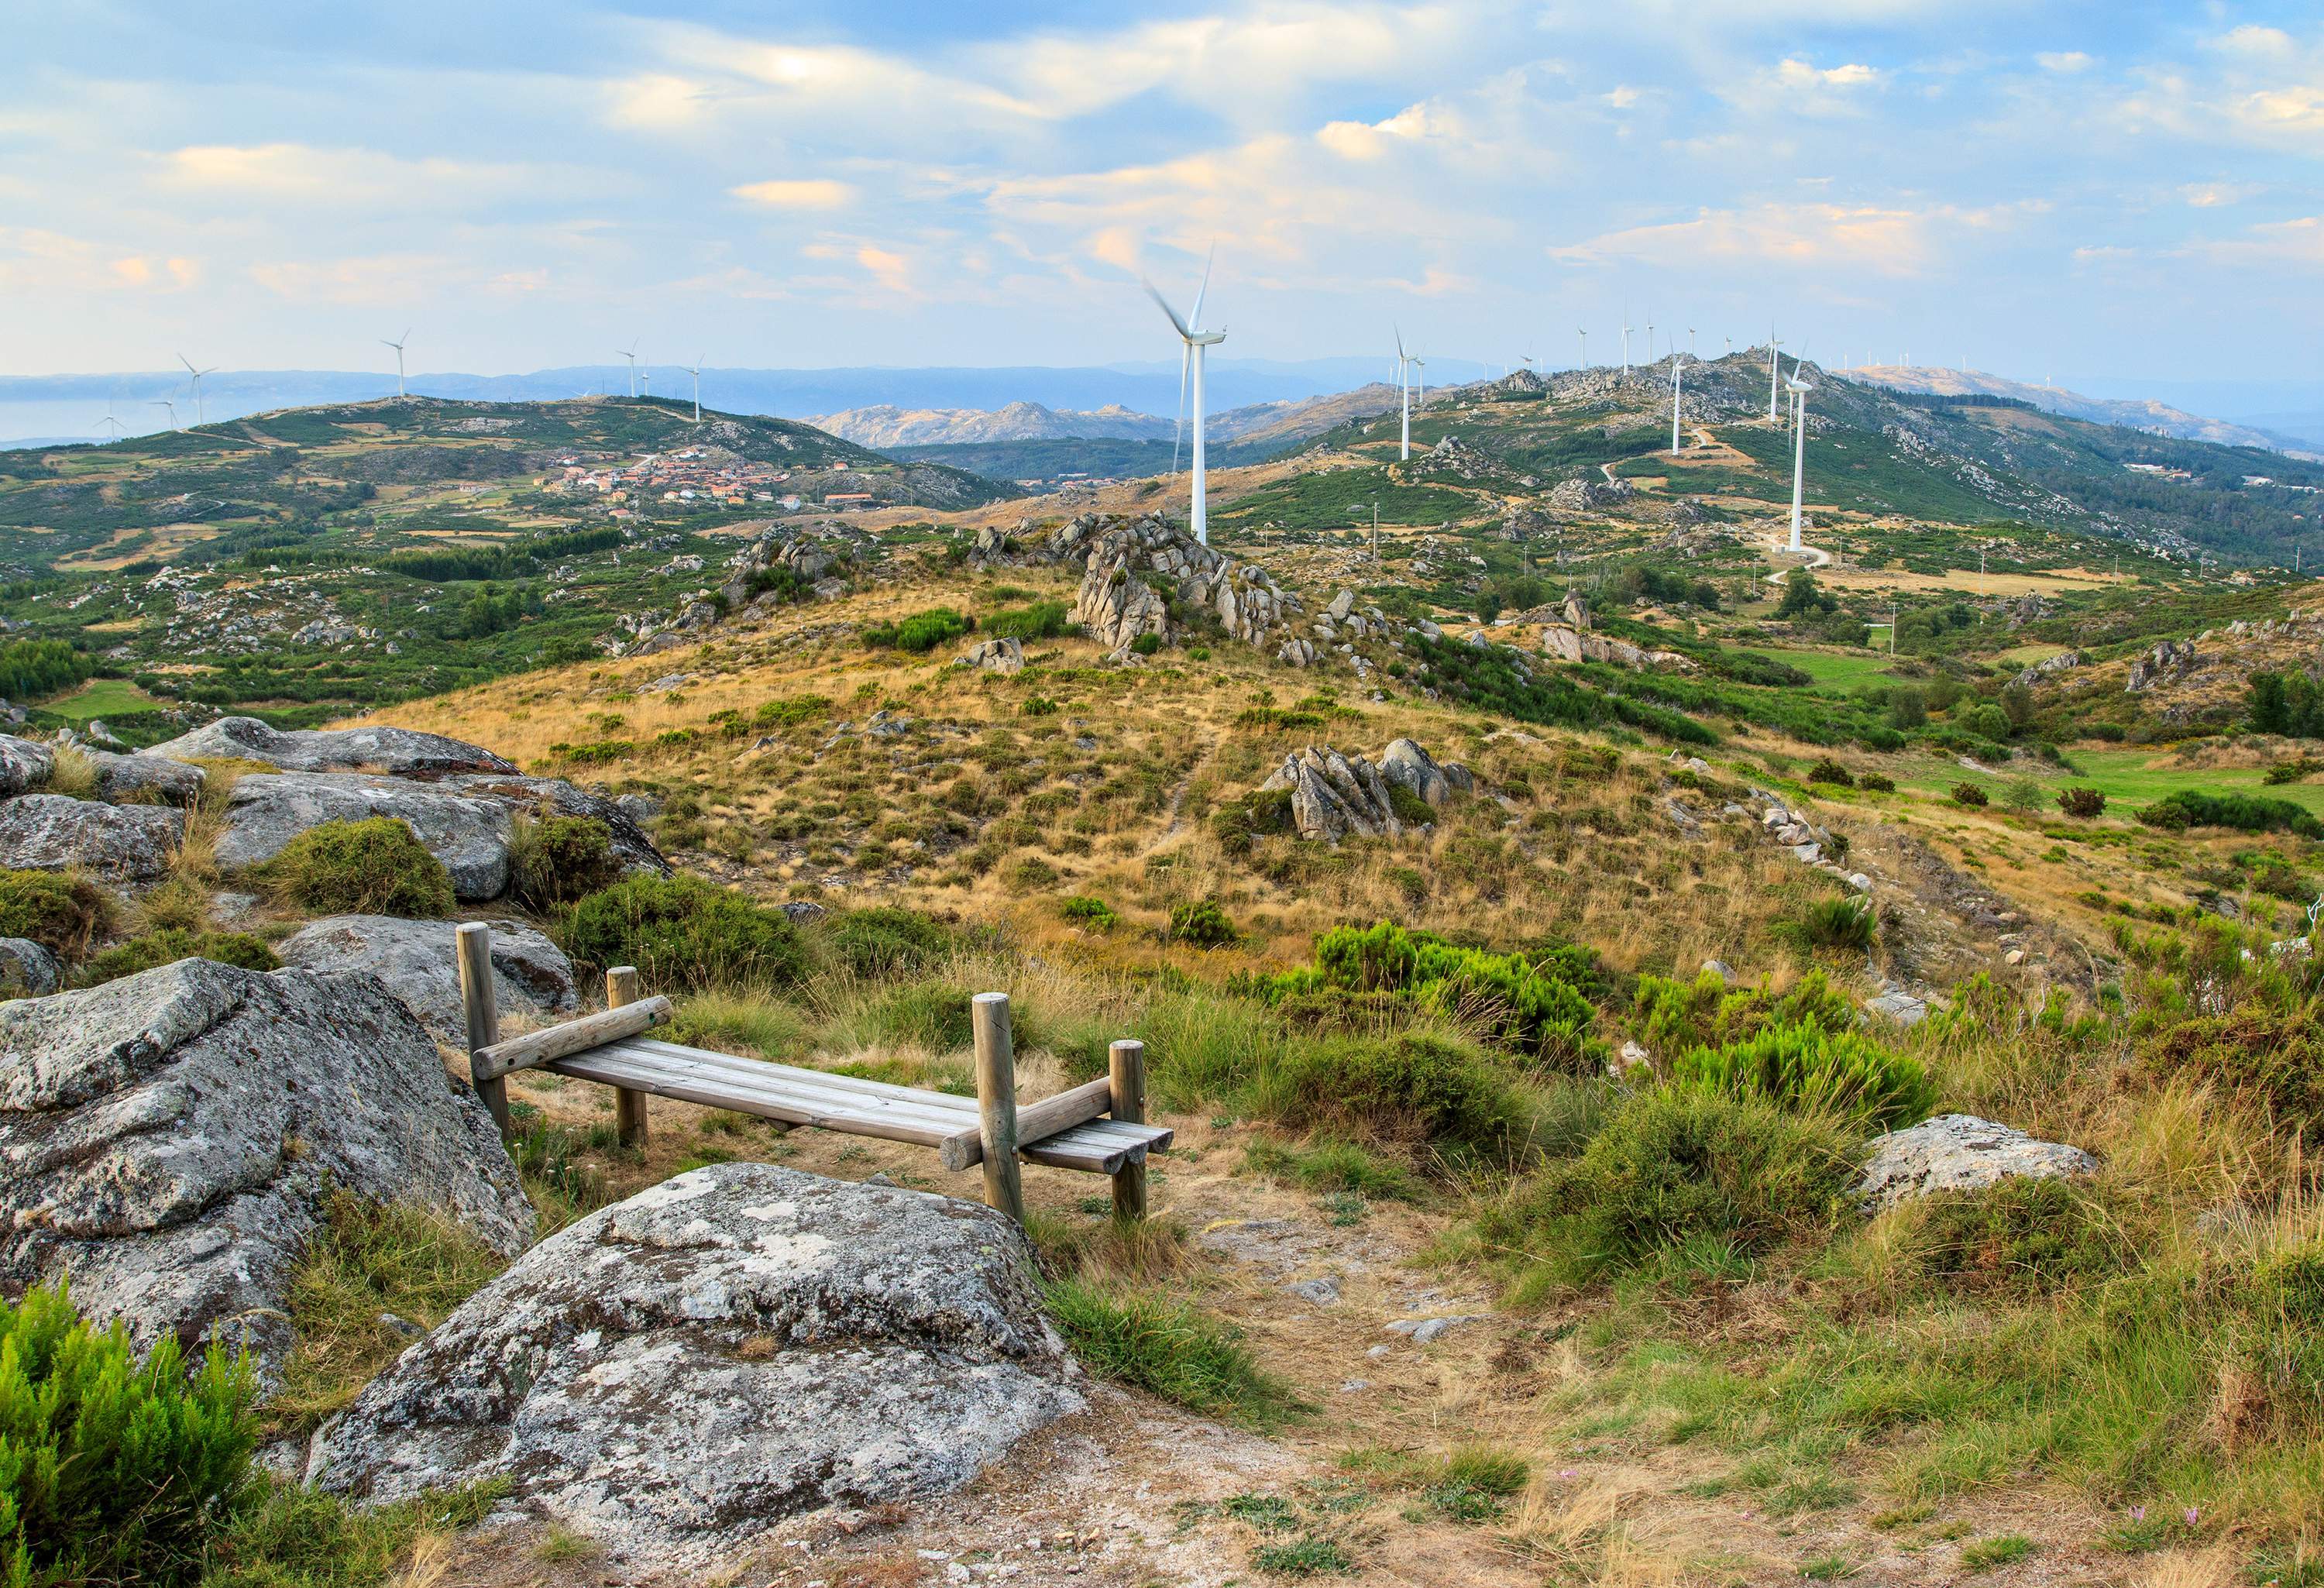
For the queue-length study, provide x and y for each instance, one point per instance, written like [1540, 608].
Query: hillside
[887, 428]
[2136, 414]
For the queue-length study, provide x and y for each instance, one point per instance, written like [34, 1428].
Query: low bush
[1971, 795]
[376, 866]
[2082, 803]
[171, 943]
[1828, 770]
[684, 932]
[2246, 813]
[921, 632]
[557, 859]
[1093, 913]
[1876, 783]
[1147, 645]
[1043, 619]
[1201, 922]
[1670, 1017]
[62, 912]
[1701, 1178]
[1413, 1087]
[1806, 1068]
[1846, 922]
[1524, 1002]
[2023, 1236]
[885, 940]
[2274, 1056]
[112, 1470]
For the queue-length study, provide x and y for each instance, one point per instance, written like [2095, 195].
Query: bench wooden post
[629, 1103]
[996, 1104]
[481, 1004]
[1125, 1067]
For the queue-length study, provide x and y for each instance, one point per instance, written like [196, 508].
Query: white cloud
[35, 260]
[1888, 239]
[340, 178]
[2065, 62]
[797, 193]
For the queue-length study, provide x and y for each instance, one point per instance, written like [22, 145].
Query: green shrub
[112, 1470]
[885, 940]
[1201, 922]
[61, 912]
[2021, 1236]
[172, 944]
[1699, 1175]
[1043, 619]
[2274, 1057]
[1410, 807]
[2084, 803]
[1805, 1066]
[1670, 1017]
[1969, 795]
[1828, 770]
[1876, 783]
[1030, 873]
[1844, 922]
[1523, 1002]
[557, 859]
[376, 866]
[1093, 913]
[1414, 1086]
[683, 932]
[1168, 1347]
[1147, 645]
[919, 633]
[2245, 812]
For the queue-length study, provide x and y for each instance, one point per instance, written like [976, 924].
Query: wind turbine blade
[1185, 361]
[1195, 319]
[1399, 339]
[1151, 292]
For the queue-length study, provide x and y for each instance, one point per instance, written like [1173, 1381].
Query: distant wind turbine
[113, 427]
[1774, 360]
[1404, 387]
[201, 414]
[1585, 346]
[1690, 341]
[1625, 343]
[1650, 336]
[695, 369]
[1678, 381]
[1194, 340]
[398, 345]
[168, 403]
[1800, 390]
[632, 354]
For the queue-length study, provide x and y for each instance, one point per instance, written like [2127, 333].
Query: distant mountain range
[1273, 425]
[2136, 413]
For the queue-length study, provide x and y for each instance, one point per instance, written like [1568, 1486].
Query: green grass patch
[1170, 1347]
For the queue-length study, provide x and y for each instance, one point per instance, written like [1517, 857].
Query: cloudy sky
[2105, 187]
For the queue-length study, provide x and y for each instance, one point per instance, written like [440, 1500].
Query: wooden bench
[1099, 1128]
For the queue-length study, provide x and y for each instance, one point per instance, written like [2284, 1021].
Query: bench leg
[480, 1003]
[629, 1103]
[1126, 1065]
[996, 1105]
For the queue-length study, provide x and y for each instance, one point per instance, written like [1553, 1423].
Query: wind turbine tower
[168, 403]
[1193, 341]
[1585, 346]
[1678, 381]
[1800, 390]
[398, 345]
[632, 354]
[695, 369]
[1774, 359]
[201, 414]
[1404, 387]
[1626, 350]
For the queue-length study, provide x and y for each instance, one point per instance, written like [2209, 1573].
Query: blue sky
[2115, 189]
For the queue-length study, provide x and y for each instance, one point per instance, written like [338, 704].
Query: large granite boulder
[534, 795]
[267, 810]
[168, 1140]
[27, 969]
[530, 975]
[1126, 558]
[1960, 1152]
[24, 763]
[677, 1373]
[1334, 794]
[380, 749]
[126, 844]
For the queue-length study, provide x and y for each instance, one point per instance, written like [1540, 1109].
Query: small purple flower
[1569, 1472]
[2193, 1516]
[2137, 1513]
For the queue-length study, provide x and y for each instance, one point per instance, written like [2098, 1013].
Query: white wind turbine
[695, 369]
[398, 345]
[1678, 381]
[201, 414]
[1774, 360]
[1626, 346]
[1585, 346]
[632, 354]
[1690, 341]
[1404, 385]
[170, 405]
[1650, 336]
[1800, 390]
[1194, 340]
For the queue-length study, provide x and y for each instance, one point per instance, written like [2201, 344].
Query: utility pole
[1892, 628]
[1376, 561]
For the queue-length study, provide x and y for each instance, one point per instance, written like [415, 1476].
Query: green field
[2131, 779]
[1834, 671]
[101, 698]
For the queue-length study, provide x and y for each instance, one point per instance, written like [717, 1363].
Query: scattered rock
[531, 977]
[144, 1141]
[264, 813]
[737, 1345]
[1960, 1152]
[997, 656]
[24, 763]
[145, 777]
[127, 844]
[27, 969]
[397, 751]
[1323, 1290]
[1425, 1330]
[1334, 795]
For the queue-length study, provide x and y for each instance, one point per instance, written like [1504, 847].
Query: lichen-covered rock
[168, 1140]
[24, 763]
[1960, 1152]
[27, 969]
[1116, 604]
[380, 749]
[469, 835]
[996, 656]
[1334, 794]
[145, 778]
[416, 960]
[534, 795]
[126, 844]
[677, 1373]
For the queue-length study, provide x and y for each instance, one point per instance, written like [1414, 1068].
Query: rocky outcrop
[2041, 673]
[27, 969]
[399, 751]
[24, 763]
[1579, 494]
[168, 1140]
[265, 812]
[529, 796]
[134, 780]
[2170, 659]
[995, 656]
[808, 560]
[124, 844]
[1561, 643]
[1960, 1152]
[1117, 604]
[674, 1374]
[416, 961]
[1333, 796]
